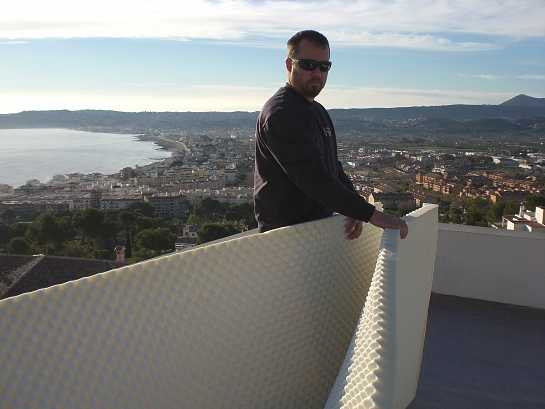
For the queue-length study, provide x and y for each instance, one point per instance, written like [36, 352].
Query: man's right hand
[389, 221]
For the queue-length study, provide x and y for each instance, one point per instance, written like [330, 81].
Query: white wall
[490, 264]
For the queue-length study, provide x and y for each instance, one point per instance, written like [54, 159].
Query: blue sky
[228, 55]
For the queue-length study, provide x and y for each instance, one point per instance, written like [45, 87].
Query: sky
[228, 55]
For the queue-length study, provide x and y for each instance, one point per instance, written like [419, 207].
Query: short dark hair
[310, 35]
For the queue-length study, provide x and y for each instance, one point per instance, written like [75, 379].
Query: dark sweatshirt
[298, 177]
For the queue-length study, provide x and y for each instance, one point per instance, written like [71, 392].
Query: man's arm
[379, 219]
[343, 177]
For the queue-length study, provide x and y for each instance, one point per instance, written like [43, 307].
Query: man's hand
[353, 228]
[389, 221]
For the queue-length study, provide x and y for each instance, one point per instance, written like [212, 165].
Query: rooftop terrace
[166, 333]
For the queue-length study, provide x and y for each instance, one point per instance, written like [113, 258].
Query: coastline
[25, 158]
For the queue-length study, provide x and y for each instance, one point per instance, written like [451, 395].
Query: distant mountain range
[517, 108]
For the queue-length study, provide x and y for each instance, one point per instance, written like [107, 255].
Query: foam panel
[260, 321]
[382, 364]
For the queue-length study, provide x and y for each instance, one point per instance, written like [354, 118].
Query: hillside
[445, 117]
[524, 100]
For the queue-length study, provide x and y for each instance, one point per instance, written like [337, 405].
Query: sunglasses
[310, 65]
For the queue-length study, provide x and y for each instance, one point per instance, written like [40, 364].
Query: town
[478, 176]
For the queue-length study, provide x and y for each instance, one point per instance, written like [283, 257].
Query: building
[422, 197]
[168, 205]
[117, 202]
[533, 222]
[21, 274]
[506, 195]
[188, 238]
[506, 162]
[393, 201]
[28, 208]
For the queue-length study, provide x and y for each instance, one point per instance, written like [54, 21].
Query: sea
[43, 153]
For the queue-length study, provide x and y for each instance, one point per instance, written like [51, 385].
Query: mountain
[484, 125]
[518, 107]
[129, 122]
[521, 106]
[522, 100]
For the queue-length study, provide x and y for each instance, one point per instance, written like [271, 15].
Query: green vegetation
[479, 211]
[93, 233]
[214, 231]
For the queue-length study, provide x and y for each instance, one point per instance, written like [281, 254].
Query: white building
[526, 220]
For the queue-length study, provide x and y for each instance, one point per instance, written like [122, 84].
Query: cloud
[532, 77]
[422, 24]
[488, 77]
[491, 77]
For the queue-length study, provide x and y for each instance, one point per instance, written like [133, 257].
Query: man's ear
[289, 64]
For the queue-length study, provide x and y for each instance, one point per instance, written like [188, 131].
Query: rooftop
[480, 354]
[484, 339]
[22, 274]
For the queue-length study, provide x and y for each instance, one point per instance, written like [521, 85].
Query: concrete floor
[481, 355]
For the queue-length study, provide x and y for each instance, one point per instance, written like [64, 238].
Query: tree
[75, 248]
[176, 162]
[209, 209]
[18, 245]
[127, 219]
[19, 229]
[5, 233]
[194, 219]
[214, 231]
[157, 240]
[512, 207]
[44, 231]
[455, 214]
[93, 225]
[475, 217]
[9, 216]
[477, 211]
[141, 207]
[532, 201]
[496, 211]
[177, 226]
[158, 222]
[243, 212]
[65, 233]
[101, 255]
[143, 223]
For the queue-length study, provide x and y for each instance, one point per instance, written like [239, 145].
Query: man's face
[307, 83]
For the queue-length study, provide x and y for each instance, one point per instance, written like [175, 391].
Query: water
[43, 153]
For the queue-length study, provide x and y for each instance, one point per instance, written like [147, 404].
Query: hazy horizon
[256, 111]
[228, 55]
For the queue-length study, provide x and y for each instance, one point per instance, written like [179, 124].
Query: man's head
[308, 63]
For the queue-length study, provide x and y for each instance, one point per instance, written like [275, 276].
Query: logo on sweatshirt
[327, 132]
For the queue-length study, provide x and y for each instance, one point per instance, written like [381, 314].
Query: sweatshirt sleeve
[292, 142]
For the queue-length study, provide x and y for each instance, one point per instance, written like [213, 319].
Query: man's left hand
[353, 228]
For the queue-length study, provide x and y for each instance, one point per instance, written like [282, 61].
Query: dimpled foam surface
[275, 320]
[382, 364]
[261, 321]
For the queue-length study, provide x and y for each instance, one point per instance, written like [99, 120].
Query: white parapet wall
[491, 264]
[273, 320]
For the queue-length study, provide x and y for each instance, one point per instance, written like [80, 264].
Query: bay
[43, 153]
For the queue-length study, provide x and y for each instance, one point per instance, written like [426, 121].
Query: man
[298, 177]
